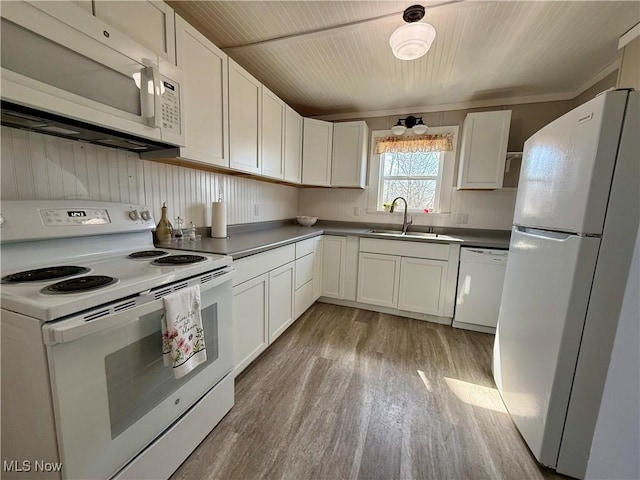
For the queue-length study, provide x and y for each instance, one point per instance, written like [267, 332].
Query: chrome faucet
[405, 223]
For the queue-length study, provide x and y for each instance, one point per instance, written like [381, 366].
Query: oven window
[137, 379]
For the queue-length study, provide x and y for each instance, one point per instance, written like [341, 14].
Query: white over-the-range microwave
[66, 71]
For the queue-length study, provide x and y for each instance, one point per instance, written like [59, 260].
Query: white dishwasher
[480, 281]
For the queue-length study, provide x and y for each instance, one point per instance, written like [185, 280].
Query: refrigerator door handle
[548, 234]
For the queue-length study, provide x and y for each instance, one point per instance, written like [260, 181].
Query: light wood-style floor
[353, 394]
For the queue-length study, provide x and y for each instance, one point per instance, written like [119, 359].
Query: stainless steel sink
[398, 233]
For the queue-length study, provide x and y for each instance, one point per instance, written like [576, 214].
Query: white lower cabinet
[250, 320]
[412, 277]
[272, 289]
[422, 285]
[333, 266]
[318, 244]
[281, 284]
[378, 279]
[303, 299]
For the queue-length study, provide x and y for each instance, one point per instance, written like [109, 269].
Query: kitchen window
[416, 176]
[419, 168]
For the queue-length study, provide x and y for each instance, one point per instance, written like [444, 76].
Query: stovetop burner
[144, 254]
[47, 273]
[179, 260]
[80, 284]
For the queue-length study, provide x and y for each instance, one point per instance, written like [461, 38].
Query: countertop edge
[465, 241]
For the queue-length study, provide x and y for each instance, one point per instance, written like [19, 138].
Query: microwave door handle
[152, 75]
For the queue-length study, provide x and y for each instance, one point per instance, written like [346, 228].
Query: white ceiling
[484, 52]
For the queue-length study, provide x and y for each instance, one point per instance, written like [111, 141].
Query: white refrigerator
[574, 228]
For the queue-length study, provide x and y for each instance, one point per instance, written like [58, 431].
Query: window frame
[444, 187]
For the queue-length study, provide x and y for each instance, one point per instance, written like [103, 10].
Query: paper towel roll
[218, 220]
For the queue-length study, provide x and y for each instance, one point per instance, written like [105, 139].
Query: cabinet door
[378, 279]
[333, 261]
[316, 152]
[204, 68]
[280, 299]
[349, 157]
[317, 268]
[422, 285]
[250, 320]
[484, 150]
[292, 146]
[245, 93]
[273, 117]
[150, 23]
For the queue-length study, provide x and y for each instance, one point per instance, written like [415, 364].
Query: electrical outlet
[356, 211]
[256, 209]
[462, 218]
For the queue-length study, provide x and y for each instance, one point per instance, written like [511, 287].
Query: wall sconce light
[413, 40]
[414, 123]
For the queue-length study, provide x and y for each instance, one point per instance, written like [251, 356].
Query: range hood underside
[25, 118]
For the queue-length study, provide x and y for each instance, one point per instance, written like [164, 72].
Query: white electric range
[81, 297]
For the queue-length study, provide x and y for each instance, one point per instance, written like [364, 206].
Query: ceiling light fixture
[413, 40]
[414, 123]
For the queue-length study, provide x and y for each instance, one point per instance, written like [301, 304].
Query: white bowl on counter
[306, 221]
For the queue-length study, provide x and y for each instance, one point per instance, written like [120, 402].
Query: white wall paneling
[36, 166]
[490, 210]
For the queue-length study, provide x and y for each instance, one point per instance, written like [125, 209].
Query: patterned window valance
[417, 143]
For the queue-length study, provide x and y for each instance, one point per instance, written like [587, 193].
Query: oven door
[112, 394]
[58, 58]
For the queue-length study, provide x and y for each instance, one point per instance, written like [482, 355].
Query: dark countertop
[245, 240]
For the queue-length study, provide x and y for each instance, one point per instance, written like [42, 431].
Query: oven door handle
[78, 327]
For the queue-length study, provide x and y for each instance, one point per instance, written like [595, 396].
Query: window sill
[409, 212]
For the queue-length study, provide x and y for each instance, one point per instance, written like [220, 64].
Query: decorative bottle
[164, 228]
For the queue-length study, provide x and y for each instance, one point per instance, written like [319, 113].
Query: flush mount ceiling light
[413, 40]
[414, 123]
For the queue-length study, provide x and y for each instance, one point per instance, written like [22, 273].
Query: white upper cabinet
[150, 23]
[349, 158]
[292, 146]
[316, 152]
[484, 150]
[245, 117]
[205, 96]
[273, 124]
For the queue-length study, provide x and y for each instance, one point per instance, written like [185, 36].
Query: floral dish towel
[183, 345]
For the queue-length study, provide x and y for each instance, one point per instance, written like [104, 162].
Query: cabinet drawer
[304, 270]
[303, 299]
[436, 251]
[255, 265]
[305, 247]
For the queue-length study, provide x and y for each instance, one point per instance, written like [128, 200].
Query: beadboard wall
[487, 210]
[36, 166]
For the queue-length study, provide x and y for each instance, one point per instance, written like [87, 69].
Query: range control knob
[145, 215]
[133, 215]
[1, 220]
